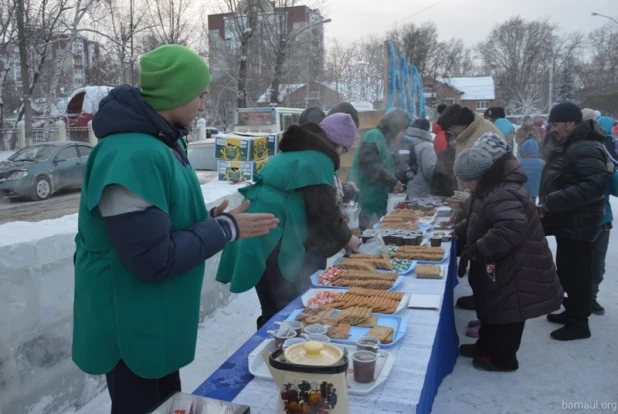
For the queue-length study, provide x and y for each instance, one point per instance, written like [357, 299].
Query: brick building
[477, 93]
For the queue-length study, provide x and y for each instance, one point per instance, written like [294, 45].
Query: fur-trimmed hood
[298, 138]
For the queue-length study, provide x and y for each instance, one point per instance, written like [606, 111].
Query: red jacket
[439, 142]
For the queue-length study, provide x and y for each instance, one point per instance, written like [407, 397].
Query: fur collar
[298, 138]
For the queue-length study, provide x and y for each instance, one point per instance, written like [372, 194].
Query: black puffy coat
[504, 229]
[573, 185]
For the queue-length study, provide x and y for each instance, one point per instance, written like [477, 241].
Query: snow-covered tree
[566, 85]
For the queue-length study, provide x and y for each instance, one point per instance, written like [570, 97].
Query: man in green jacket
[144, 233]
[373, 167]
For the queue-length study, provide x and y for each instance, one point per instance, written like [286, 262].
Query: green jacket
[276, 191]
[373, 191]
[151, 325]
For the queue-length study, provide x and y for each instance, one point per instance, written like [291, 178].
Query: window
[84, 151]
[448, 101]
[482, 104]
[68, 153]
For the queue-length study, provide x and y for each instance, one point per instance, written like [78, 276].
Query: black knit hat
[565, 112]
[441, 108]
[313, 115]
[495, 112]
[346, 108]
[421, 123]
[455, 115]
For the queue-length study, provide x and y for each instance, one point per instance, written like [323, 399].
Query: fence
[10, 137]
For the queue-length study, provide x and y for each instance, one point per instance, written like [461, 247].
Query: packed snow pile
[36, 311]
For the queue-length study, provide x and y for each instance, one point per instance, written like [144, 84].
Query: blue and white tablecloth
[423, 358]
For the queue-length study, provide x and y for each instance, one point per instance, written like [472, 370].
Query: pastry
[428, 272]
[383, 333]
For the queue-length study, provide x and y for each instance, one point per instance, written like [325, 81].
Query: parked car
[211, 132]
[202, 154]
[37, 171]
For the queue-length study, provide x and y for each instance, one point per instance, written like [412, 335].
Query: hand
[253, 225]
[354, 187]
[541, 209]
[461, 196]
[353, 244]
[453, 235]
[220, 209]
[398, 187]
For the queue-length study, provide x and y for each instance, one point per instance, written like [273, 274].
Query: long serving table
[423, 358]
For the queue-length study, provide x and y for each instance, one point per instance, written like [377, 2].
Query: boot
[466, 302]
[572, 331]
[596, 308]
[560, 318]
[468, 350]
[484, 363]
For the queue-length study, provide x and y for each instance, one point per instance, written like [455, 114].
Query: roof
[93, 95]
[284, 91]
[473, 89]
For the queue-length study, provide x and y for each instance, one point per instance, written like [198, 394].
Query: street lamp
[607, 17]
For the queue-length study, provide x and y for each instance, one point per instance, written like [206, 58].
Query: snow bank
[36, 303]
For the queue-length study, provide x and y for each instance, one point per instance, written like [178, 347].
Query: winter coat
[573, 184]
[524, 132]
[444, 182]
[473, 132]
[549, 143]
[503, 229]
[532, 164]
[425, 155]
[297, 187]
[439, 142]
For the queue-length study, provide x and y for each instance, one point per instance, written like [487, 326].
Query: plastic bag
[373, 246]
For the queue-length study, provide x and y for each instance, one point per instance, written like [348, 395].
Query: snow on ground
[551, 373]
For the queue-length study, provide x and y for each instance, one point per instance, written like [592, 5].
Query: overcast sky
[472, 20]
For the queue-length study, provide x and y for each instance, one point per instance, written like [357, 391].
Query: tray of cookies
[358, 278]
[346, 326]
[423, 254]
[379, 300]
[376, 262]
[427, 271]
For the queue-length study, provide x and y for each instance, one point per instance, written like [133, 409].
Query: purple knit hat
[340, 129]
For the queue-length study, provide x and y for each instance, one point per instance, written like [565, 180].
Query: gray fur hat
[471, 164]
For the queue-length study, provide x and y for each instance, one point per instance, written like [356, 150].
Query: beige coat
[474, 131]
[470, 135]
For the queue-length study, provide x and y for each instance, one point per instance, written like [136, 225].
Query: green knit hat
[171, 76]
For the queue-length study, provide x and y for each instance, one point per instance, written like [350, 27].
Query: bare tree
[36, 25]
[118, 29]
[65, 56]
[338, 61]
[244, 17]
[171, 21]
[7, 42]
[599, 75]
[520, 55]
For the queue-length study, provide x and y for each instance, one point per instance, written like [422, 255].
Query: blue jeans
[599, 251]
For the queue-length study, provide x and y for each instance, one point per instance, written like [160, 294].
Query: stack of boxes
[241, 156]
